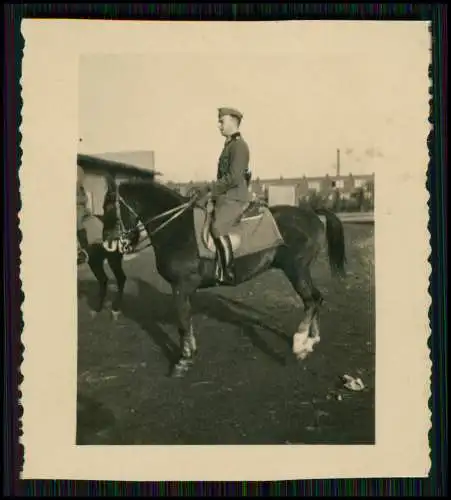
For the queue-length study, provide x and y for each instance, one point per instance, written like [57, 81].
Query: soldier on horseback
[230, 191]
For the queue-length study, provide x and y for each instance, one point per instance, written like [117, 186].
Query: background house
[328, 189]
[352, 192]
[120, 165]
[321, 185]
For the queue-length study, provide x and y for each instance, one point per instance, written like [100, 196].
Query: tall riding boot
[230, 264]
[226, 256]
[220, 258]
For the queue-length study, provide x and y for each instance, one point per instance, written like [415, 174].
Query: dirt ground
[245, 387]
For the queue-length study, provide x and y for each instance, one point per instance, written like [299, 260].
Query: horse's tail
[335, 241]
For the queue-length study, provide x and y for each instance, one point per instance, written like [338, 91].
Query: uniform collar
[234, 136]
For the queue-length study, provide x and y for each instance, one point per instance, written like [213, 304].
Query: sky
[356, 88]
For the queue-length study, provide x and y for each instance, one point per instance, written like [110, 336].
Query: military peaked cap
[230, 111]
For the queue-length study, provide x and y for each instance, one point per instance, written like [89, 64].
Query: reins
[176, 211]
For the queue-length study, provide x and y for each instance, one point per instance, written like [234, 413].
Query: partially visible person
[82, 213]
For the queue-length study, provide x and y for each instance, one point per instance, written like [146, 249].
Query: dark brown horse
[169, 220]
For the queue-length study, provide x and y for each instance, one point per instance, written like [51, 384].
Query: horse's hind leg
[95, 262]
[307, 334]
[115, 260]
[314, 327]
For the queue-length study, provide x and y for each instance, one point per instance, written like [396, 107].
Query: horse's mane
[142, 187]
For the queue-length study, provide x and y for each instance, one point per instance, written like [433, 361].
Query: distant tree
[351, 205]
[369, 188]
[358, 195]
[361, 199]
[191, 192]
[336, 205]
[315, 199]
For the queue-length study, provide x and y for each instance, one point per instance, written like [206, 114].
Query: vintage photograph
[226, 257]
[241, 250]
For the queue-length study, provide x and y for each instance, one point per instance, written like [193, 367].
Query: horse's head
[110, 214]
[157, 206]
[117, 218]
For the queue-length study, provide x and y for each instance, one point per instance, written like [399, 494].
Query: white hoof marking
[299, 339]
[303, 344]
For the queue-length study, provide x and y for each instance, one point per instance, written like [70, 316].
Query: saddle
[251, 212]
[255, 231]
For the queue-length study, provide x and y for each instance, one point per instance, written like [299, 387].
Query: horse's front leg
[95, 262]
[115, 260]
[182, 298]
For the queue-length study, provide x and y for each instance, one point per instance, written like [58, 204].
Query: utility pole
[338, 163]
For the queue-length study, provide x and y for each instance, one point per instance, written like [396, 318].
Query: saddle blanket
[253, 233]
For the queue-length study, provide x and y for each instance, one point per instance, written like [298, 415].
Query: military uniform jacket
[82, 208]
[233, 164]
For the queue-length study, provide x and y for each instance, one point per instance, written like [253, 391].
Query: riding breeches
[225, 216]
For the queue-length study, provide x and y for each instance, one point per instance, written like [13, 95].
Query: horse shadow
[151, 307]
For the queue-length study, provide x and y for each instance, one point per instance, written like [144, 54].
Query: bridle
[174, 212]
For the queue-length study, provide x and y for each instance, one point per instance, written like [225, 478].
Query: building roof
[139, 163]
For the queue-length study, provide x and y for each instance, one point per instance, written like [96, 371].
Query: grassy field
[245, 387]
